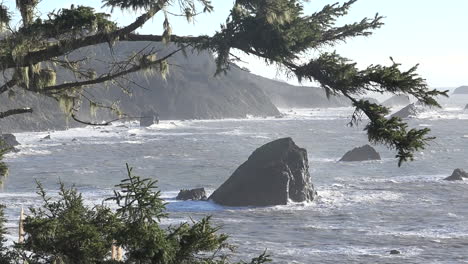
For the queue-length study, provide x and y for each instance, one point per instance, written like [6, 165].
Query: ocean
[363, 209]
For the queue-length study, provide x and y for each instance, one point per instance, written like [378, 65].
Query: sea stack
[274, 174]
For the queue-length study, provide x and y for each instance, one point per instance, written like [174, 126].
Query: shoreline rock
[274, 174]
[9, 142]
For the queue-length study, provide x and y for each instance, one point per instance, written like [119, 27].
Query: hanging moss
[164, 69]
[66, 104]
[45, 78]
[22, 75]
[26, 8]
[148, 60]
[5, 17]
[93, 109]
[166, 37]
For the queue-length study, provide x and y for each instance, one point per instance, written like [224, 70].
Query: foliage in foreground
[65, 230]
[3, 167]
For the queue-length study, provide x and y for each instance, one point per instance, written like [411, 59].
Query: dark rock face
[193, 194]
[397, 100]
[149, 118]
[406, 112]
[274, 174]
[461, 90]
[394, 252]
[363, 153]
[457, 175]
[47, 137]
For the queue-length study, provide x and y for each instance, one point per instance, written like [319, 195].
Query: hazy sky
[429, 32]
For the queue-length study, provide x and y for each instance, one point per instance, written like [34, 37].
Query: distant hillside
[191, 91]
[284, 95]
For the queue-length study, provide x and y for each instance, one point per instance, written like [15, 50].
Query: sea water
[362, 211]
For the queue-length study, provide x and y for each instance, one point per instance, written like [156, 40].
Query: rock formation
[274, 174]
[363, 153]
[148, 118]
[466, 107]
[461, 90]
[193, 194]
[397, 100]
[406, 112]
[457, 175]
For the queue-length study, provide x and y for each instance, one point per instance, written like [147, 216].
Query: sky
[433, 34]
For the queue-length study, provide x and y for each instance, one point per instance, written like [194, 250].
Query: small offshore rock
[47, 137]
[197, 194]
[9, 139]
[394, 252]
[457, 175]
[363, 153]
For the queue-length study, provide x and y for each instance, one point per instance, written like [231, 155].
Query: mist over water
[363, 209]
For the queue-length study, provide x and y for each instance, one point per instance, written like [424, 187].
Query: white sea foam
[317, 113]
[429, 233]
